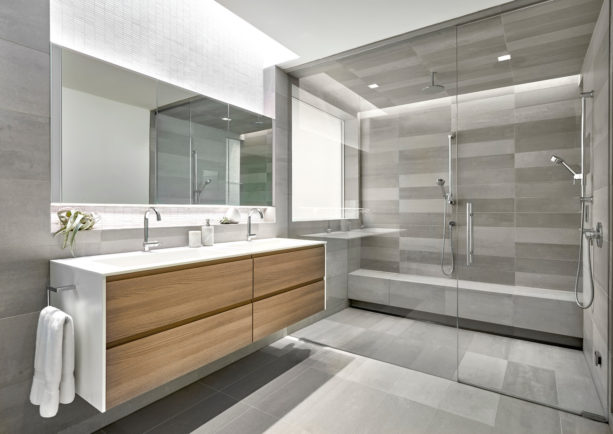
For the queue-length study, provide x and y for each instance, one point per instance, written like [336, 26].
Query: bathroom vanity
[145, 318]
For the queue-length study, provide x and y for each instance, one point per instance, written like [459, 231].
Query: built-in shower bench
[513, 310]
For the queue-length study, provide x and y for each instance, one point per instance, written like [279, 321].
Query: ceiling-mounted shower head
[433, 88]
[560, 161]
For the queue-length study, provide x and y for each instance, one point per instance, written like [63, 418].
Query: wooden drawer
[279, 311]
[280, 271]
[141, 305]
[143, 364]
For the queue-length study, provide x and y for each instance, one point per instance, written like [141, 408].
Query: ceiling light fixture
[504, 57]
[373, 85]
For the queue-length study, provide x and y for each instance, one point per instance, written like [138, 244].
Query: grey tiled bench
[543, 310]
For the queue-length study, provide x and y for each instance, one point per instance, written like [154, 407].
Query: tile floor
[294, 386]
[542, 373]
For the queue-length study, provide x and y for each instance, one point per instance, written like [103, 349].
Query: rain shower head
[560, 161]
[433, 88]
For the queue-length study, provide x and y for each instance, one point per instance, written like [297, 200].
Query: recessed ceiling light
[226, 119]
[504, 57]
[373, 85]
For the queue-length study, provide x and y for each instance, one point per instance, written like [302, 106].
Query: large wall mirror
[120, 137]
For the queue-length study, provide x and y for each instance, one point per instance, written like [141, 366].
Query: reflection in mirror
[128, 138]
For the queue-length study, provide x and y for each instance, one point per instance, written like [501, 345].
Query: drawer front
[138, 305]
[143, 364]
[280, 271]
[279, 311]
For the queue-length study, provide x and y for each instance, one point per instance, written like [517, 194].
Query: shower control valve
[594, 234]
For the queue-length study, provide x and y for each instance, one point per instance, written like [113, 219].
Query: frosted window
[317, 164]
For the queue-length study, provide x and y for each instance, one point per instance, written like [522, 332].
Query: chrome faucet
[147, 245]
[251, 236]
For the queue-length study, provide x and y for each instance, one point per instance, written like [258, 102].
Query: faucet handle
[147, 245]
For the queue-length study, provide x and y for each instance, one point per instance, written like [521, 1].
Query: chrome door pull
[469, 233]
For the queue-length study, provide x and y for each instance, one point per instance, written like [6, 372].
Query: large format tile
[515, 416]
[210, 410]
[482, 370]
[24, 79]
[160, 411]
[448, 423]
[471, 403]
[531, 382]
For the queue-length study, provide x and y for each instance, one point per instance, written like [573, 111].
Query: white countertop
[353, 234]
[121, 263]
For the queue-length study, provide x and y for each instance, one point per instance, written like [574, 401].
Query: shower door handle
[194, 176]
[469, 233]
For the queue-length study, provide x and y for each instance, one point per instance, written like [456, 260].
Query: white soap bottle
[208, 234]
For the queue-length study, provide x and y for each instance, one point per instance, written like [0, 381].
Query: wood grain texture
[279, 311]
[141, 304]
[141, 365]
[277, 272]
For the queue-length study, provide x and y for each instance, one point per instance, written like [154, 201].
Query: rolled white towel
[67, 385]
[38, 382]
[53, 364]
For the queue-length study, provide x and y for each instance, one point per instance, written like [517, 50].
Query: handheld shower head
[560, 161]
[441, 183]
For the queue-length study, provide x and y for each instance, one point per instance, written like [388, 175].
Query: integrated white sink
[139, 259]
[121, 263]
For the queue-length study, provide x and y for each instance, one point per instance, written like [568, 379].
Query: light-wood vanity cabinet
[138, 330]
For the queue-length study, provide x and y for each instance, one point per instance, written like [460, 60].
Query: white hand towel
[38, 383]
[67, 385]
[53, 364]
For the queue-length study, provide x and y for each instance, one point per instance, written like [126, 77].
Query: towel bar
[58, 290]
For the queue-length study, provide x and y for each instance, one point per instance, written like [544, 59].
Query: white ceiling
[314, 29]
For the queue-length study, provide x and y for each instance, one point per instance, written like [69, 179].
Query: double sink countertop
[129, 262]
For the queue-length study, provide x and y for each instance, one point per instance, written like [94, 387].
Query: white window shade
[317, 164]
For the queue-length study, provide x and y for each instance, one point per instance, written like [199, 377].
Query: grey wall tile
[26, 23]
[24, 79]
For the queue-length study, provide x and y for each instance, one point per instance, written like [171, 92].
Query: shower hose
[445, 226]
[580, 262]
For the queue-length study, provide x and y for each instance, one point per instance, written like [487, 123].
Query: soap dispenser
[208, 234]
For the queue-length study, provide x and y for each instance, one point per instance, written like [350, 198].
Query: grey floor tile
[160, 411]
[577, 393]
[447, 423]
[399, 351]
[489, 345]
[217, 409]
[357, 318]
[241, 368]
[392, 325]
[471, 403]
[271, 375]
[482, 370]
[280, 399]
[530, 382]
[339, 406]
[368, 342]
[439, 360]
[515, 416]
[256, 422]
[572, 424]
[413, 385]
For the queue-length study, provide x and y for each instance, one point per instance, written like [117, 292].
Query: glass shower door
[520, 330]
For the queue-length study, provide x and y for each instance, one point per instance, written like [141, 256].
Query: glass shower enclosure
[483, 151]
